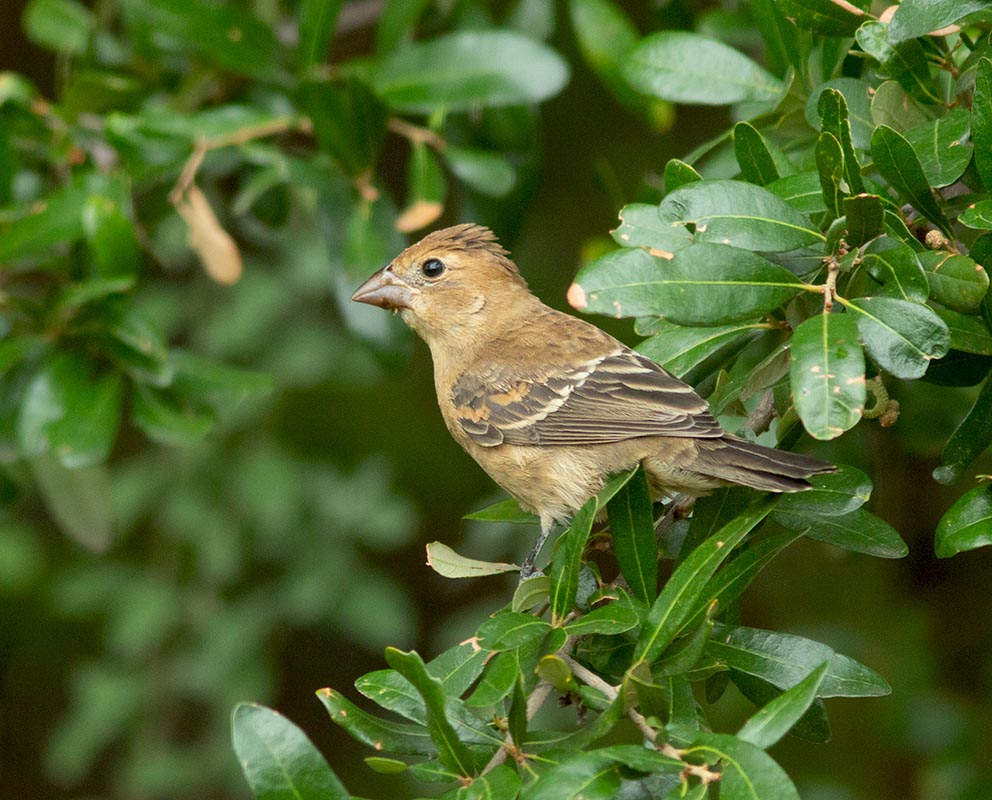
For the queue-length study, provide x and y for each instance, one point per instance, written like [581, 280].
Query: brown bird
[548, 404]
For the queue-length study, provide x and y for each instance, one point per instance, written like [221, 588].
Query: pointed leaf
[865, 218]
[317, 20]
[969, 440]
[830, 165]
[858, 531]
[978, 216]
[894, 264]
[827, 374]
[568, 559]
[748, 773]
[981, 122]
[898, 163]
[835, 120]
[967, 524]
[679, 348]
[943, 147]
[752, 153]
[824, 17]
[446, 562]
[504, 511]
[678, 174]
[833, 494]
[632, 523]
[380, 734]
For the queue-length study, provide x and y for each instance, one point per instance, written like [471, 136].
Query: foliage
[209, 176]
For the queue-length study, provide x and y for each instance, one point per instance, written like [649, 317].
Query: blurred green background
[282, 552]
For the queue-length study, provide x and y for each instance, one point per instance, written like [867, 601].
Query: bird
[549, 405]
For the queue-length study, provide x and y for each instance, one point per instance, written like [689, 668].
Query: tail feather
[759, 467]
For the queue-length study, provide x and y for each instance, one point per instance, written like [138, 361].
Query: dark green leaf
[580, 776]
[678, 174]
[830, 165]
[967, 524]
[54, 222]
[469, 69]
[452, 752]
[904, 61]
[676, 602]
[222, 386]
[632, 524]
[915, 18]
[348, 122]
[835, 120]
[891, 105]
[396, 23]
[981, 121]
[902, 337]
[898, 163]
[739, 214]
[567, 560]
[865, 218]
[501, 783]
[824, 16]
[507, 630]
[783, 660]
[500, 675]
[278, 760]
[610, 619]
[943, 147]
[641, 225]
[679, 349]
[856, 96]
[827, 374]
[978, 216]
[833, 493]
[956, 281]
[504, 511]
[969, 333]
[752, 153]
[705, 284]
[390, 690]
[446, 562]
[802, 192]
[486, 172]
[688, 68]
[317, 21]
[969, 440]
[895, 266]
[64, 26]
[78, 499]
[747, 772]
[391, 737]
[782, 38]
[457, 667]
[141, 350]
[70, 412]
[111, 238]
[386, 766]
[169, 418]
[858, 531]
[605, 36]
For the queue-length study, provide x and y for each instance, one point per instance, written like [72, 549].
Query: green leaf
[504, 511]
[833, 494]
[531, 592]
[610, 619]
[469, 69]
[827, 374]
[752, 153]
[783, 660]
[580, 776]
[894, 264]
[969, 333]
[396, 23]
[915, 18]
[679, 349]
[835, 120]
[390, 690]
[904, 61]
[856, 97]
[382, 735]
[824, 17]
[891, 105]
[222, 386]
[605, 36]
[317, 20]
[642, 226]
[978, 216]
[457, 667]
[64, 26]
[865, 218]
[901, 337]
[830, 165]
[449, 564]
[348, 121]
[168, 418]
[78, 499]
[956, 281]
[69, 411]
[486, 172]
[385, 766]
[425, 190]
[688, 68]
[739, 214]
[501, 783]
[111, 238]
[452, 752]
[507, 630]
[141, 350]
[705, 284]
[898, 163]
[943, 147]
[54, 222]
[967, 524]
[981, 121]
[567, 560]
[632, 523]
[678, 174]
[278, 760]
[969, 440]
[858, 531]
[802, 192]
[688, 582]
[748, 773]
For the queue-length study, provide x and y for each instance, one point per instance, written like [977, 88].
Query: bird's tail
[759, 467]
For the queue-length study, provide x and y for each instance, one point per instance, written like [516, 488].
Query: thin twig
[416, 134]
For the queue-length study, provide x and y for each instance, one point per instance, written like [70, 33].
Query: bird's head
[447, 283]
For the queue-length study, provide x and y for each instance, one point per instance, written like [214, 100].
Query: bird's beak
[384, 289]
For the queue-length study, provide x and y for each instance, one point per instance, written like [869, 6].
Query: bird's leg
[527, 568]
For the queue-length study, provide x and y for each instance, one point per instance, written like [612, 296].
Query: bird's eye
[433, 267]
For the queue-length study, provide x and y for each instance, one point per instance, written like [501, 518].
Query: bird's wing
[609, 398]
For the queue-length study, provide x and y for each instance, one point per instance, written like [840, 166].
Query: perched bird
[548, 404]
